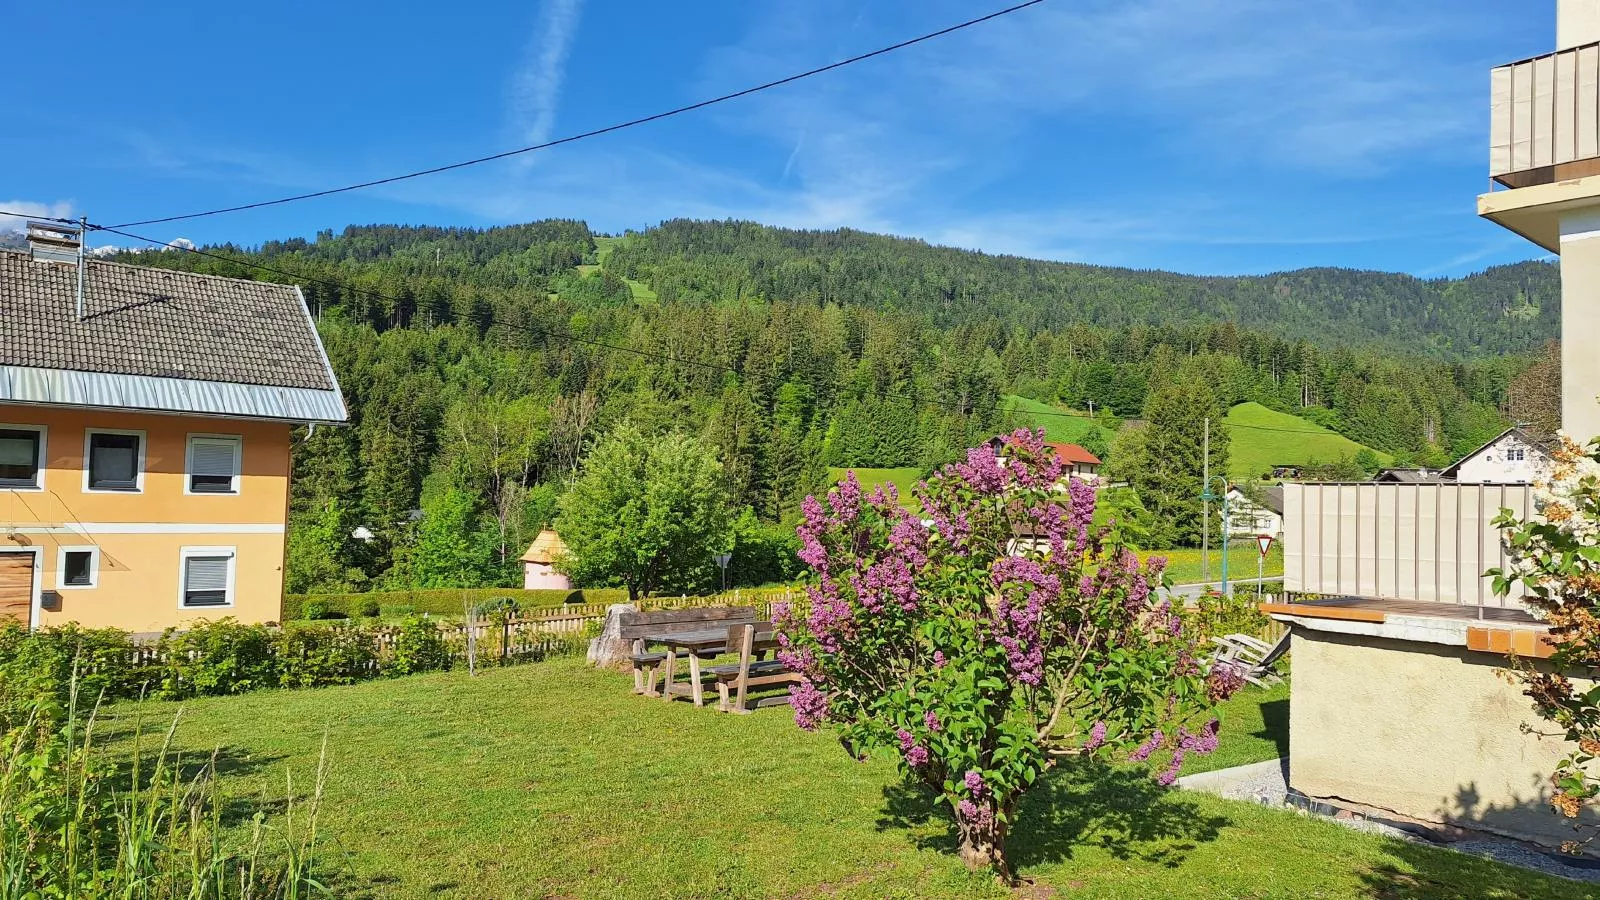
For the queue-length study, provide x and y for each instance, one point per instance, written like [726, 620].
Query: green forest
[481, 365]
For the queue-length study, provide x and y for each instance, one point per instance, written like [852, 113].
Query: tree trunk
[983, 846]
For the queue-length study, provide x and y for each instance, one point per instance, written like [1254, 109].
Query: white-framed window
[113, 461]
[77, 568]
[212, 464]
[22, 457]
[1516, 454]
[205, 577]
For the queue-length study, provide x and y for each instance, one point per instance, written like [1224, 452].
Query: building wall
[140, 536]
[1498, 463]
[1425, 730]
[543, 576]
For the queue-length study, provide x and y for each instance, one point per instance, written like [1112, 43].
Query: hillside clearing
[1261, 438]
[1067, 429]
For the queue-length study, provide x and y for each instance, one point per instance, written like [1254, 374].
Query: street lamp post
[1207, 496]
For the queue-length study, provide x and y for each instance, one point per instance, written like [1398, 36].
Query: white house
[1248, 516]
[1513, 457]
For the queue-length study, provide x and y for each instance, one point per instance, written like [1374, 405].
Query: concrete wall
[1424, 730]
[1580, 324]
[1577, 22]
[543, 576]
[141, 535]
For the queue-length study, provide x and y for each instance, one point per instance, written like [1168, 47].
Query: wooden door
[16, 586]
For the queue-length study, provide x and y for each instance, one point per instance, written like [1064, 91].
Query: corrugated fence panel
[1429, 542]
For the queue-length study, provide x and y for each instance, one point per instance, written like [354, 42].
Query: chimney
[60, 243]
[51, 242]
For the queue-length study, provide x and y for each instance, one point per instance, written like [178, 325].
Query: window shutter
[205, 580]
[211, 464]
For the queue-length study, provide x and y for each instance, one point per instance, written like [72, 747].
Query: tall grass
[78, 822]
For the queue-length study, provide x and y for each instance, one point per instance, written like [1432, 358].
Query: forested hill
[1506, 308]
[480, 365]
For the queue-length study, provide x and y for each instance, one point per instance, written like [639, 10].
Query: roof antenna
[83, 237]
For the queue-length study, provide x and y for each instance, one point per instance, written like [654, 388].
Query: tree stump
[610, 650]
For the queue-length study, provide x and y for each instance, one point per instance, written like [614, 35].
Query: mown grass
[554, 780]
[1032, 413]
[904, 480]
[1253, 449]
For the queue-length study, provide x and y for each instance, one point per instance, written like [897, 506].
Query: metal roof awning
[182, 396]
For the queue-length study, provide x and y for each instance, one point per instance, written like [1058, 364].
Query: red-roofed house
[1079, 461]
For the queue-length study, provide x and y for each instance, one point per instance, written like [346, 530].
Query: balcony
[1415, 542]
[1544, 118]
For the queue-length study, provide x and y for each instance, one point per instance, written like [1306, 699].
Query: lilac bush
[1000, 639]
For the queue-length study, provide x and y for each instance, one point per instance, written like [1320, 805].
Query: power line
[663, 357]
[599, 131]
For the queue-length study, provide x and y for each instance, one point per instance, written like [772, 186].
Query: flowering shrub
[1556, 559]
[994, 642]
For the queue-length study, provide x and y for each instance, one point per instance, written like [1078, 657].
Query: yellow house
[145, 420]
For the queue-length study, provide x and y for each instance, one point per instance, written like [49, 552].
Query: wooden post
[471, 619]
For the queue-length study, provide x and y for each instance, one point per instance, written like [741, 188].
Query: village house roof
[1409, 476]
[1073, 454]
[545, 548]
[160, 340]
[1539, 443]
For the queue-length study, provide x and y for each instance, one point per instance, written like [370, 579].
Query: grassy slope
[1065, 429]
[642, 293]
[1253, 451]
[1187, 565]
[904, 480]
[552, 779]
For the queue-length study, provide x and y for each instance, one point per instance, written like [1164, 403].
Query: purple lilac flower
[1224, 681]
[1081, 493]
[939, 661]
[1171, 774]
[810, 705]
[1016, 628]
[973, 814]
[930, 719]
[1155, 565]
[974, 782]
[1202, 742]
[1151, 744]
[916, 756]
[845, 498]
[1097, 737]
[906, 739]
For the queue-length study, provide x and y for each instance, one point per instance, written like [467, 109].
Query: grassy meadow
[554, 780]
[1253, 450]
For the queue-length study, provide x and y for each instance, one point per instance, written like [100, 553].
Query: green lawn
[1253, 451]
[1187, 565]
[554, 780]
[1063, 429]
[904, 479]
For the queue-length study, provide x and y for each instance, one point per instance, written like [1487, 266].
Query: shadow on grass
[1120, 811]
[1421, 871]
[1275, 725]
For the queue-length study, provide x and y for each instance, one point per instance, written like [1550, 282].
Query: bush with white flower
[1555, 557]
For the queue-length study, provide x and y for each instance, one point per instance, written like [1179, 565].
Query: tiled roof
[156, 322]
[1072, 453]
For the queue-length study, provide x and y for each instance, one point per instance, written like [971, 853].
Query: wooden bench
[750, 671]
[635, 626]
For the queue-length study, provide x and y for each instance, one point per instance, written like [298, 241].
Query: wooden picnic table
[695, 644]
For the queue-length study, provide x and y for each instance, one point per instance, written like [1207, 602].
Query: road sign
[1264, 541]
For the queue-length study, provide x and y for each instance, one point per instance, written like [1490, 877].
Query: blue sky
[1194, 135]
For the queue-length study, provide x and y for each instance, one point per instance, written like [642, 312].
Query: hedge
[444, 602]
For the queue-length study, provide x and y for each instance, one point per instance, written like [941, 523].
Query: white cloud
[535, 91]
[31, 209]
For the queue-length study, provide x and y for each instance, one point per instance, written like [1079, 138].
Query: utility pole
[1091, 409]
[1205, 500]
